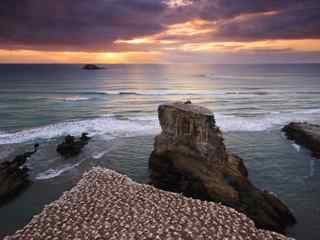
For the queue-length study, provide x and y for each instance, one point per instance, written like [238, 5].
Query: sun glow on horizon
[34, 56]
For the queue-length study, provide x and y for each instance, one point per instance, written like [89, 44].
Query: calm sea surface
[118, 107]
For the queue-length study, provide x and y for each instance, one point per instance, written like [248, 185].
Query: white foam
[296, 147]
[234, 123]
[99, 155]
[164, 92]
[71, 99]
[198, 92]
[110, 126]
[274, 120]
[53, 173]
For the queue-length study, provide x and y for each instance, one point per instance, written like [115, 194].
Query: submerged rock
[190, 157]
[91, 67]
[305, 134]
[72, 146]
[14, 176]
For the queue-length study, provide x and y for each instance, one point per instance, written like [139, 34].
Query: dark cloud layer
[79, 24]
[95, 24]
[292, 23]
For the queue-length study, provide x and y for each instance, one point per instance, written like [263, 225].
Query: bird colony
[108, 205]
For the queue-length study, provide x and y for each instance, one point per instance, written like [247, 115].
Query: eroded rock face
[190, 157]
[305, 134]
[14, 176]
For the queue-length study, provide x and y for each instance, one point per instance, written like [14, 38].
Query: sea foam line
[104, 125]
[53, 173]
[111, 127]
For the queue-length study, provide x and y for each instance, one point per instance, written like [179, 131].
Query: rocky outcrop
[72, 146]
[190, 157]
[305, 134]
[108, 205]
[14, 176]
[91, 67]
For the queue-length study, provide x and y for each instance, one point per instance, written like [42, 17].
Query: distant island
[91, 67]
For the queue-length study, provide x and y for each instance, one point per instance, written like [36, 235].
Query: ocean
[117, 106]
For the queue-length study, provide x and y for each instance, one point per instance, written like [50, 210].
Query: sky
[160, 31]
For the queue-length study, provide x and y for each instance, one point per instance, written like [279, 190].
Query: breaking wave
[53, 173]
[72, 99]
[111, 127]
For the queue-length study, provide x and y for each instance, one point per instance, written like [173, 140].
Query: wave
[111, 127]
[87, 95]
[99, 155]
[248, 92]
[296, 147]
[308, 92]
[273, 120]
[191, 92]
[53, 173]
[158, 92]
[64, 99]
[71, 99]
[163, 92]
[244, 91]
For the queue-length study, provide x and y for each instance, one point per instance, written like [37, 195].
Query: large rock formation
[190, 157]
[305, 134]
[14, 176]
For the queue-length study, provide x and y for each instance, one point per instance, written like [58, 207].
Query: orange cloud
[33, 56]
[307, 45]
[179, 31]
[191, 28]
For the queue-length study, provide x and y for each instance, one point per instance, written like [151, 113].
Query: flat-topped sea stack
[190, 157]
[107, 205]
[305, 134]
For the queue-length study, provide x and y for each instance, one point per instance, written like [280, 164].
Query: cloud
[299, 23]
[76, 25]
[162, 26]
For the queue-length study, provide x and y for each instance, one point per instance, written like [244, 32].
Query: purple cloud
[94, 25]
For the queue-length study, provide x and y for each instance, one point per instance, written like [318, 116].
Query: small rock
[72, 146]
[91, 67]
[305, 134]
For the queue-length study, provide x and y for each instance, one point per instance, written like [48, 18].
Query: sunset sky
[159, 31]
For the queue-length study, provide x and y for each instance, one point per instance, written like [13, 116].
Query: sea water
[117, 106]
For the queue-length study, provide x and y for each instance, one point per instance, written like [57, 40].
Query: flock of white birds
[108, 205]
